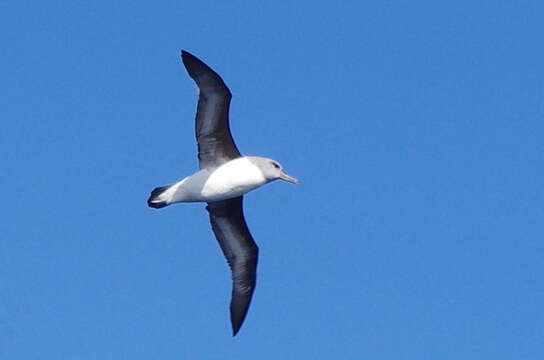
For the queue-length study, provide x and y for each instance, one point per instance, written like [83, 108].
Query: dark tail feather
[153, 200]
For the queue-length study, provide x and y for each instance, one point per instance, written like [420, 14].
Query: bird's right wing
[230, 228]
[215, 143]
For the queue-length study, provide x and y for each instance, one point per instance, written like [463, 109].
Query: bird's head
[272, 170]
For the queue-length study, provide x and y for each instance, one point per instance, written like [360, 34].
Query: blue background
[416, 128]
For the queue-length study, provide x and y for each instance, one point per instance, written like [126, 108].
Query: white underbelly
[215, 191]
[232, 179]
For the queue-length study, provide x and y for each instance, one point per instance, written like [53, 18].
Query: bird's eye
[276, 165]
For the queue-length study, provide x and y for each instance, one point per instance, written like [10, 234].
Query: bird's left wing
[215, 143]
[230, 228]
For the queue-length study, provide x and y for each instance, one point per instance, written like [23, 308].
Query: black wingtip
[198, 70]
[239, 308]
[191, 61]
[235, 329]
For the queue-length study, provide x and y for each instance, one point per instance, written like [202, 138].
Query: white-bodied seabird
[224, 177]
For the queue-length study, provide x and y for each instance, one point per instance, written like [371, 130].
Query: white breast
[231, 179]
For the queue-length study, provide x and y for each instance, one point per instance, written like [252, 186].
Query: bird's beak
[285, 176]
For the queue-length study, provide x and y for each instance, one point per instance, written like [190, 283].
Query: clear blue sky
[416, 128]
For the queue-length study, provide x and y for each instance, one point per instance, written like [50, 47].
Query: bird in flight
[224, 176]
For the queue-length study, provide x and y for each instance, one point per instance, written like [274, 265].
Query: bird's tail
[157, 199]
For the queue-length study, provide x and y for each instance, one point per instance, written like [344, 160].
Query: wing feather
[241, 252]
[215, 143]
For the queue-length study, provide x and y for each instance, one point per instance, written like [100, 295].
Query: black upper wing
[215, 143]
[231, 231]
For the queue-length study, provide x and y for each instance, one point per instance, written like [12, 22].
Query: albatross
[224, 176]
